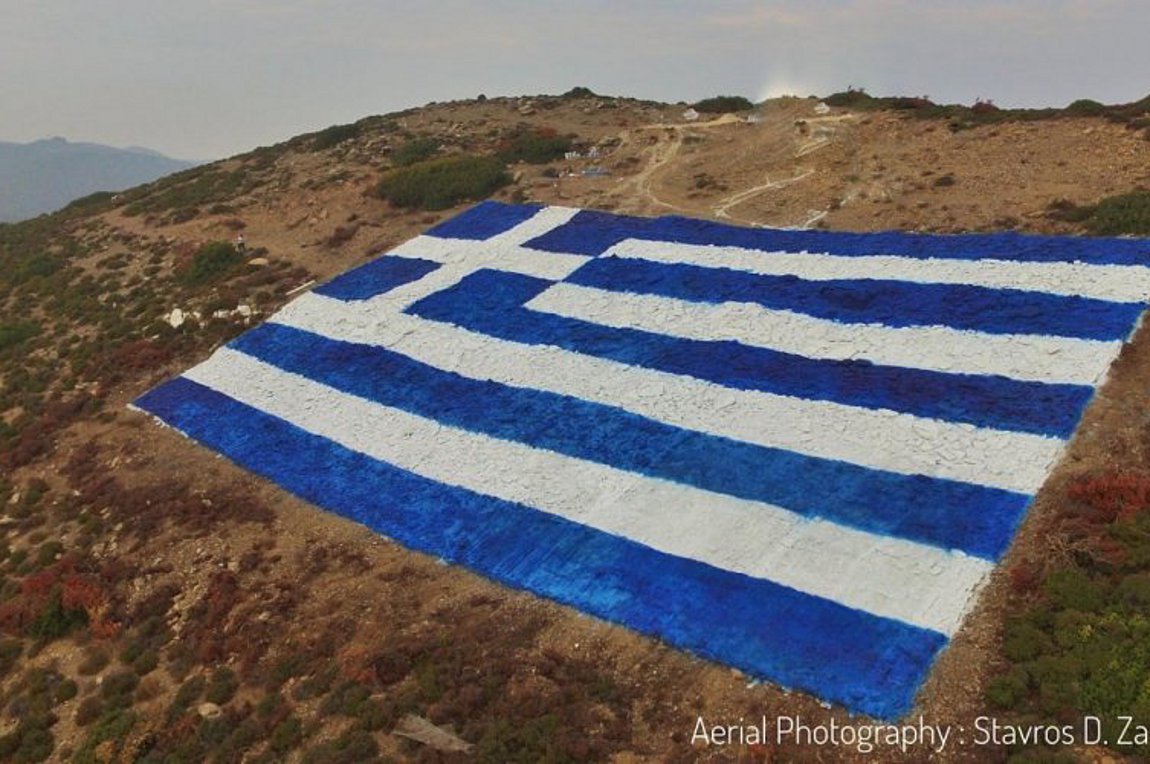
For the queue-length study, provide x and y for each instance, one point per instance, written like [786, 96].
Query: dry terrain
[332, 635]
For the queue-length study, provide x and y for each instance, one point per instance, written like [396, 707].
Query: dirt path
[663, 153]
[637, 188]
[723, 207]
[668, 143]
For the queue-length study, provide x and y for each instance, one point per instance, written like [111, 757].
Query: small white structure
[690, 115]
[822, 108]
[176, 318]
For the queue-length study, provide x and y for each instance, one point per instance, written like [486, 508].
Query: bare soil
[310, 583]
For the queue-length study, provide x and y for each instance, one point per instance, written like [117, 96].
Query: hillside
[44, 175]
[158, 601]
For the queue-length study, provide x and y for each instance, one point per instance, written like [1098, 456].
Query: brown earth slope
[213, 613]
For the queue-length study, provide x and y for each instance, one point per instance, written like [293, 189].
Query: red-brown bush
[1110, 496]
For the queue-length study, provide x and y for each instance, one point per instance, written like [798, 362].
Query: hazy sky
[210, 78]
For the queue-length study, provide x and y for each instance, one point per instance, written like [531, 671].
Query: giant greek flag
[796, 453]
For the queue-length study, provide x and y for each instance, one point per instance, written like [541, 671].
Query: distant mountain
[44, 175]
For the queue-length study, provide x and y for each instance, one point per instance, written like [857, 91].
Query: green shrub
[117, 688]
[146, 663]
[1134, 592]
[65, 690]
[1073, 589]
[47, 553]
[345, 699]
[211, 262]
[189, 692]
[314, 686]
[1122, 214]
[534, 147]
[286, 735]
[114, 725]
[89, 710]
[91, 204]
[579, 92]
[14, 334]
[40, 265]
[1006, 690]
[723, 105]
[1068, 211]
[415, 150]
[55, 620]
[441, 183]
[1085, 107]
[191, 188]
[29, 742]
[222, 687]
[333, 136]
[10, 651]
[851, 98]
[94, 662]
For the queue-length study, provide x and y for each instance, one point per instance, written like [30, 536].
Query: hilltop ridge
[44, 175]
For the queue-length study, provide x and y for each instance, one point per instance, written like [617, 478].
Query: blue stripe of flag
[592, 233]
[491, 302]
[872, 301]
[949, 514]
[869, 664]
[377, 277]
[484, 220]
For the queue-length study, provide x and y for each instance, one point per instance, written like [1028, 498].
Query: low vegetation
[538, 146]
[211, 262]
[723, 105]
[334, 135]
[1080, 643]
[219, 661]
[437, 184]
[185, 193]
[1135, 115]
[415, 150]
[579, 92]
[1123, 214]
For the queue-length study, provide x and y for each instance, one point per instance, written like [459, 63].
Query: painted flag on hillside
[797, 453]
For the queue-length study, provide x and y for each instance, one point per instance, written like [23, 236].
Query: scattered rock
[422, 731]
[176, 318]
[105, 751]
[209, 710]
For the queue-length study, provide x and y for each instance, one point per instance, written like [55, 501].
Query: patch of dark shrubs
[438, 184]
[538, 146]
[1085, 107]
[578, 92]
[1121, 215]
[415, 150]
[723, 105]
[333, 136]
[1079, 643]
[16, 333]
[211, 262]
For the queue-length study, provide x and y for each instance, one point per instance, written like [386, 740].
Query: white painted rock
[209, 711]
